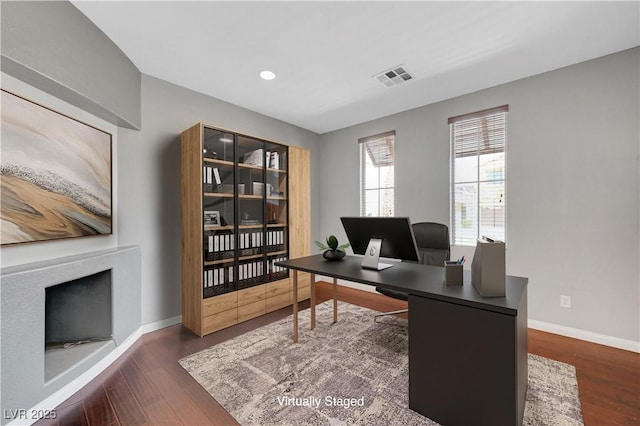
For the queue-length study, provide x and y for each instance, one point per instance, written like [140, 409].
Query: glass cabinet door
[219, 239]
[250, 214]
[276, 210]
[245, 211]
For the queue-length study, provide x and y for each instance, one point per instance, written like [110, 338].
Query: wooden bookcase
[245, 205]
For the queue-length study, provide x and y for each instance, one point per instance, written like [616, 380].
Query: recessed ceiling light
[267, 75]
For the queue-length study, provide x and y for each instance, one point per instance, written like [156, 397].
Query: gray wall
[573, 186]
[573, 182]
[53, 46]
[54, 55]
[149, 180]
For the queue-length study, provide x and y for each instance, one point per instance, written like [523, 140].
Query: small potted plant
[332, 250]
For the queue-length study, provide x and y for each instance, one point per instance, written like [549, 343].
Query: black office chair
[433, 248]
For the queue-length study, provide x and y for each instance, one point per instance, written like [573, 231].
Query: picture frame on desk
[212, 218]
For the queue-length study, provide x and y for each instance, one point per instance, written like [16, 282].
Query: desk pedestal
[462, 368]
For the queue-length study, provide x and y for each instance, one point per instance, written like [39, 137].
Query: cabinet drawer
[303, 279]
[278, 301]
[277, 287]
[251, 310]
[251, 295]
[304, 293]
[217, 304]
[219, 321]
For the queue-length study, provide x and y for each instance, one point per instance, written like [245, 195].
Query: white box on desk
[488, 269]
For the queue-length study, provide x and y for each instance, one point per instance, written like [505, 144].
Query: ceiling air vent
[393, 77]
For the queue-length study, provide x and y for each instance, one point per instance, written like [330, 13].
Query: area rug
[354, 372]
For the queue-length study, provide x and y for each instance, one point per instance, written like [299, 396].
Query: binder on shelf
[217, 280]
[275, 240]
[274, 271]
[218, 246]
[250, 273]
[211, 179]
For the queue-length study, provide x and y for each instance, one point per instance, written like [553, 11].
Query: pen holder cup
[452, 274]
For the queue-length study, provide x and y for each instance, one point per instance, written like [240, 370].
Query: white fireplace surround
[23, 313]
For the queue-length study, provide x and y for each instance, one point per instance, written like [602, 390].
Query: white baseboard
[79, 382]
[148, 328]
[589, 336]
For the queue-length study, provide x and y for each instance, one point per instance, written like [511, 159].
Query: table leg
[312, 277]
[295, 306]
[335, 299]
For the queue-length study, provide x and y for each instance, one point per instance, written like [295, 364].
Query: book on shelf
[273, 160]
[276, 160]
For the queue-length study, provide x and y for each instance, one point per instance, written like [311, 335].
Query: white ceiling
[325, 53]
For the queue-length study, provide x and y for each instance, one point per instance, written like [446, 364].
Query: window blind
[377, 174]
[478, 200]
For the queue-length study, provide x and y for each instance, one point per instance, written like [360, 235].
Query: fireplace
[77, 320]
[92, 297]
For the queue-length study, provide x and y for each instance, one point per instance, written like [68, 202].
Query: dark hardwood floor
[146, 385]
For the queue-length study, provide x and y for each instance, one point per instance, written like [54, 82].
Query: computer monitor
[376, 237]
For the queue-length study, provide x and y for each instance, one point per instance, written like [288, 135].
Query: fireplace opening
[78, 321]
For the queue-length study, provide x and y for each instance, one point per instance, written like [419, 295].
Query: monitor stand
[372, 256]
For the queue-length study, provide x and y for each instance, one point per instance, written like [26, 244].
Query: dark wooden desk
[467, 353]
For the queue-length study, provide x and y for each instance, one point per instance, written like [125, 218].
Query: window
[376, 175]
[478, 175]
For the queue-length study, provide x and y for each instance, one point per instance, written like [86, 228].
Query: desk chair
[433, 249]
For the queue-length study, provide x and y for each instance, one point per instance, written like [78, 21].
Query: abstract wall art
[55, 175]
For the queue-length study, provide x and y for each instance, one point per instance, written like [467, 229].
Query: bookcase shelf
[219, 162]
[276, 170]
[219, 194]
[236, 224]
[250, 166]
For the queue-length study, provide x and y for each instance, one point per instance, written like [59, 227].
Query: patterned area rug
[351, 372]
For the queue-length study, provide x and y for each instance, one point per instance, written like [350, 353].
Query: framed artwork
[55, 175]
[211, 218]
